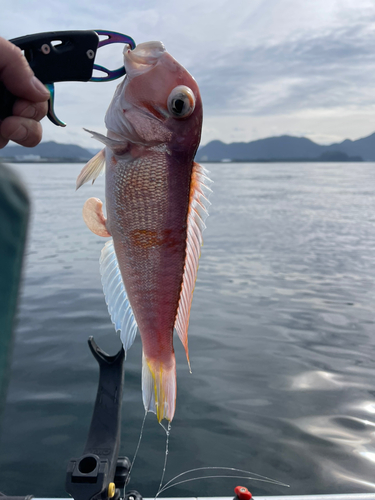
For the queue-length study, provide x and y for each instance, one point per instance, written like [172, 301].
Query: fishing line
[251, 476]
[167, 432]
[136, 450]
[139, 442]
[219, 477]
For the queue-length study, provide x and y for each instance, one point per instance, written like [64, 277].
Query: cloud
[263, 63]
[326, 69]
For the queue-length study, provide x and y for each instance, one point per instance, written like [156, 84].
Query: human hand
[31, 106]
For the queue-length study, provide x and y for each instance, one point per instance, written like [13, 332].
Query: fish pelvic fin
[93, 216]
[92, 169]
[119, 307]
[197, 214]
[159, 387]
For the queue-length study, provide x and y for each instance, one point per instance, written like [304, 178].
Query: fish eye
[181, 102]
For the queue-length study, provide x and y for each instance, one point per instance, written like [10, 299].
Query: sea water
[281, 338]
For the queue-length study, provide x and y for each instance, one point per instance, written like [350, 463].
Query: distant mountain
[364, 147]
[281, 148]
[50, 149]
[288, 148]
[336, 156]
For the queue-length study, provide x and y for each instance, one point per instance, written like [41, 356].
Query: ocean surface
[282, 338]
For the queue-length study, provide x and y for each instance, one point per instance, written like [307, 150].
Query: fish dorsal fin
[197, 214]
[116, 297]
[92, 169]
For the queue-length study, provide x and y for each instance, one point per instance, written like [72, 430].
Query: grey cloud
[330, 69]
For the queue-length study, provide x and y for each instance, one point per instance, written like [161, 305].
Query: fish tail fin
[159, 387]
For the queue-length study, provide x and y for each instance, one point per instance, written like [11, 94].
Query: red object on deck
[242, 493]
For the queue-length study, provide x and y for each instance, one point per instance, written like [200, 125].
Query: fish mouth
[142, 58]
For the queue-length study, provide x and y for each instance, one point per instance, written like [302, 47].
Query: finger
[17, 75]
[33, 110]
[3, 142]
[23, 131]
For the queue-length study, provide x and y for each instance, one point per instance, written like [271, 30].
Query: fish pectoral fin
[119, 307]
[92, 169]
[159, 387]
[93, 216]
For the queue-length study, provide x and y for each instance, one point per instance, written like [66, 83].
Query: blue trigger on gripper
[51, 103]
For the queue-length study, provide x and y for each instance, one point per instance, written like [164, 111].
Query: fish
[156, 206]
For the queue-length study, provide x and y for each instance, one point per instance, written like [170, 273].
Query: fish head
[158, 102]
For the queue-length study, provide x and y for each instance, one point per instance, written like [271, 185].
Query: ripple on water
[281, 337]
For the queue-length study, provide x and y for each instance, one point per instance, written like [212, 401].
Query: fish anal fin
[159, 387]
[94, 218]
[195, 225]
[92, 169]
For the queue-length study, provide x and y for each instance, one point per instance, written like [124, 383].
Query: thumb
[17, 76]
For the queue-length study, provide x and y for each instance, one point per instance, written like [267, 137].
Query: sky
[264, 67]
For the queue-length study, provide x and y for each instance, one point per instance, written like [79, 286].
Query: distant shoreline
[290, 160]
[286, 149]
[43, 160]
[261, 160]
[289, 149]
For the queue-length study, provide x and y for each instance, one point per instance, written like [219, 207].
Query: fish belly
[147, 208]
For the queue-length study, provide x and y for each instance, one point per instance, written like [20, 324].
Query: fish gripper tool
[64, 56]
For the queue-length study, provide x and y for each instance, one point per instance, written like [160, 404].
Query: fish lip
[143, 58]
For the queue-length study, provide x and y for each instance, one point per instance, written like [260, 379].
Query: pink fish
[156, 206]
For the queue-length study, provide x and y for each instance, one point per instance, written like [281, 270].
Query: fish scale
[145, 205]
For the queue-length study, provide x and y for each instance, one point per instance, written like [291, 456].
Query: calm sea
[282, 338]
